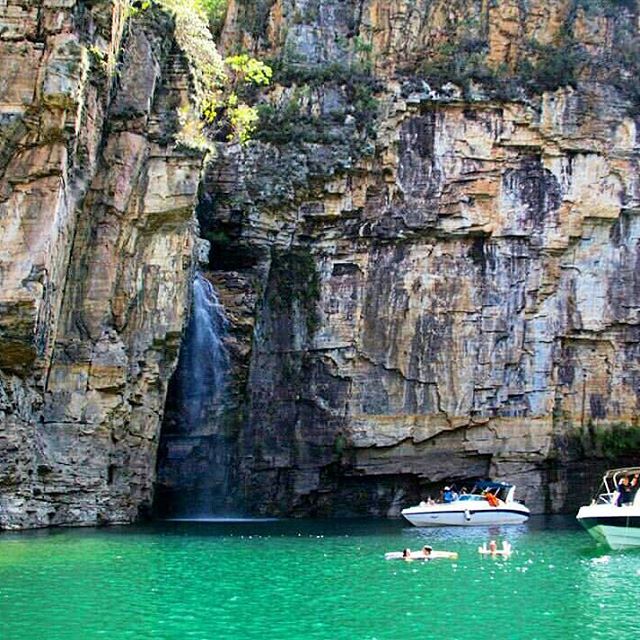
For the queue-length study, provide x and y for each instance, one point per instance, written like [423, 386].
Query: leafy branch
[215, 80]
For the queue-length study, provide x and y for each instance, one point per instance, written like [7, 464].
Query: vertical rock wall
[443, 277]
[96, 219]
[429, 256]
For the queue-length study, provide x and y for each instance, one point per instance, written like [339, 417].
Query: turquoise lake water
[314, 580]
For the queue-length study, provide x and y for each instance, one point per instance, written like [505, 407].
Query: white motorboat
[490, 503]
[609, 519]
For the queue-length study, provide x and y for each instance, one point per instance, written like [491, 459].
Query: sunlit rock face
[96, 219]
[445, 291]
[428, 256]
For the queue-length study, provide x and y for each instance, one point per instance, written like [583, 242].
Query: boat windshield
[499, 489]
[470, 496]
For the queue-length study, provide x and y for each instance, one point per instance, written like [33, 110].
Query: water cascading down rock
[193, 460]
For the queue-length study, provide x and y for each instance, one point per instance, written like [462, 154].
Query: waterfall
[194, 452]
[204, 361]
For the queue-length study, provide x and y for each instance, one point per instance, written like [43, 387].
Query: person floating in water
[492, 549]
[426, 553]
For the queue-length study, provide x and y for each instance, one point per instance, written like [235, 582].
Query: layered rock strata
[453, 297]
[98, 236]
[428, 257]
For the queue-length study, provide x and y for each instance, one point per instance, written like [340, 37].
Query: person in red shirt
[492, 499]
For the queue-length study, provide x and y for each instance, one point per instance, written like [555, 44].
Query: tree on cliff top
[215, 79]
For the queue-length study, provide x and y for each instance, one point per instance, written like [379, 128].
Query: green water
[313, 580]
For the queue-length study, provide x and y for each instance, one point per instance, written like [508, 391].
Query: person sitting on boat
[624, 492]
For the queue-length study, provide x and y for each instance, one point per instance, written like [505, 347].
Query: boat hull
[441, 516]
[617, 527]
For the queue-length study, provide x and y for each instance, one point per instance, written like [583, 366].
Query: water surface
[313, 580]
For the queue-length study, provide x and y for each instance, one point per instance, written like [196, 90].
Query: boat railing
[607, 498]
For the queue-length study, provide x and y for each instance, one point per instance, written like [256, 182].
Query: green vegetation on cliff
[540, 68]
[215, 10]
[333, 105]
[218, 107]
[462, 58]
[618, 440]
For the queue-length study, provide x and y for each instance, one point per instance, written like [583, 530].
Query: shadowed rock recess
[429, 256]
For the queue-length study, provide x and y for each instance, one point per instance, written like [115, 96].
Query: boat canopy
[609, 483]
[623, 471]
[481, 485]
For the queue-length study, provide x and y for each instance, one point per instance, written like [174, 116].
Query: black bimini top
[481, 485]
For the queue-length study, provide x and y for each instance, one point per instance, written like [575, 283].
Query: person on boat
[492, 499]
[447, 496]
[624, 492]
[406, 554]
[463, 491]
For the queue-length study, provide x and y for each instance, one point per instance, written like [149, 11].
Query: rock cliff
[98, 238]
[430, 255]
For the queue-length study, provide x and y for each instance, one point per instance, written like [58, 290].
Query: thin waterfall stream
[194, 453]
[204, 361]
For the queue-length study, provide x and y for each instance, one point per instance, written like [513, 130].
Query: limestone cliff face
[98, 234]
[439, 258]
[429, 256]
